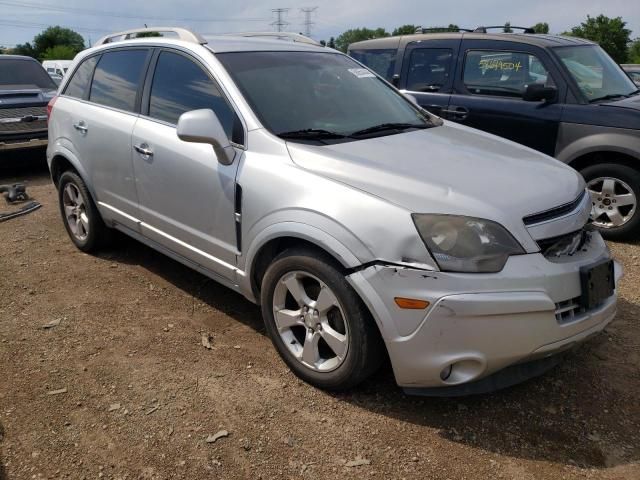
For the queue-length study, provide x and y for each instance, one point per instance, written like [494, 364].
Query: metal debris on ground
[57, 392]
[215, 437]
[53, 323]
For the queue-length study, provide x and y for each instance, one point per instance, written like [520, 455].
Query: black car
[563, 96]
[25, 91]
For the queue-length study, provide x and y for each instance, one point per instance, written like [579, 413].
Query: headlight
[466, 244]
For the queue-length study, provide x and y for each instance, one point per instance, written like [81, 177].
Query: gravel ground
[120, 386]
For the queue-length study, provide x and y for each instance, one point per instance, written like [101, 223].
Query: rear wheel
[80, 215]
[317, 322]
[615, 191]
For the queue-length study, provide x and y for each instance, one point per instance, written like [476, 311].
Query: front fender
[303, 230]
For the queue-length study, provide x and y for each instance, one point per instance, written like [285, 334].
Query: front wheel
[614, 190]
[317, 322]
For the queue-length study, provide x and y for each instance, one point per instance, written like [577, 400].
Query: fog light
[446, 373]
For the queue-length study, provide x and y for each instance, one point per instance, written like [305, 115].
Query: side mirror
[537, 92]
[203, 126]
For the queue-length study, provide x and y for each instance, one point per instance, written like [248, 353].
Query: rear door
[428, 69]
[187, 197]
[491, 79]
[100, 107]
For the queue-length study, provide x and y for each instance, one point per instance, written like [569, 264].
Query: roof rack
[290, 36]
[181, 33]
[524, 29]
[441, 30]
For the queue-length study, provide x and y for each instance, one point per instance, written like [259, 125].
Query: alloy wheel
[310, 321]
[613, 202]
[75, 211]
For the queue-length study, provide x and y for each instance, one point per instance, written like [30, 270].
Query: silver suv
[364, 226]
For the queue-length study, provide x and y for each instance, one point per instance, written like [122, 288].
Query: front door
[186, 196]
[428, 72]
[491, 79]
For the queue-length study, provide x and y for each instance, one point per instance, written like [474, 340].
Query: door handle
[81, 127]
[457, 113]
[144, 150]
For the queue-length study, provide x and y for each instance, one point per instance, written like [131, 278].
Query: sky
[21, 20]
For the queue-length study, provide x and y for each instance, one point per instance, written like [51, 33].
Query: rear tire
[317, 322]
[615, 191]
[80, 216]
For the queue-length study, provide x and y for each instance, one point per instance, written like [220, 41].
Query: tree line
[58, 43]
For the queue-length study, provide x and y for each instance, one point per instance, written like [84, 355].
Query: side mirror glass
[203, 126]
[537, 92]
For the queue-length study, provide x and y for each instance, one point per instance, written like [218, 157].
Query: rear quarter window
[382, 61]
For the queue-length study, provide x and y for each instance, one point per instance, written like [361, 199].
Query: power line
[279, 23]
[307, 19]
[101, 13]
[19, 24]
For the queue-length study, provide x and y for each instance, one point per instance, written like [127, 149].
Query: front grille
[553, 213]
[569, 310]
[18, 127]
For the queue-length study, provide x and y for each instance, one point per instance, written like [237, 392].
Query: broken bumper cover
[479, 324]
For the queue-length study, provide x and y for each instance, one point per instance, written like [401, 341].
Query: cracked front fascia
[395, 280]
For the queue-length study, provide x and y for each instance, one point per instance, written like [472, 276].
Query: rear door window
[117, 78]
[429, 69]
[78, 86]
[381, 61]
[503, 73]
[180, 85]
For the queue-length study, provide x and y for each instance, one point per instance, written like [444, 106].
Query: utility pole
[280, 22]
[307, 19]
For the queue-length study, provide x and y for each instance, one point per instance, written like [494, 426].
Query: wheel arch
[64, 160]
[271, 243]
[595, 157]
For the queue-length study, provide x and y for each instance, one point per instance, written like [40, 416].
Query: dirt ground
[122, 386]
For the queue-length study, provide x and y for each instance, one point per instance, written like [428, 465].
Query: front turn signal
[411, 303]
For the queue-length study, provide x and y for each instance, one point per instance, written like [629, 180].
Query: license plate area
[598, 284]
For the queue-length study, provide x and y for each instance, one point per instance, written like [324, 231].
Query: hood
[449, 169]
[24, 95]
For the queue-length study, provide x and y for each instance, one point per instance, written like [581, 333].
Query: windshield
[595, 72]
[24, 74]
[319, 93]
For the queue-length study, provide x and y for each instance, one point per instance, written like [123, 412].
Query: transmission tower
[280, 22]
[307, 19]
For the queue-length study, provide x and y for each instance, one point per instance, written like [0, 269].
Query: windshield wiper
[609, 97]
[389, 126]
[311, 134]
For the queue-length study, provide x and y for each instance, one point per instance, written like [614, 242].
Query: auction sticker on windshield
[361, 72]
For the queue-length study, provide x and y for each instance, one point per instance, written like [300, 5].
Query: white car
[57, 67]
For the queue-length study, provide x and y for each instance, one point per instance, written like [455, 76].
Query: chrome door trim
[175, 240]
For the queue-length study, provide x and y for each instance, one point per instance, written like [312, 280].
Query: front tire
[615, 191]
[317, 322]
[80, 215]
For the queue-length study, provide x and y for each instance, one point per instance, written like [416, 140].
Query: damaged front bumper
[479, 324]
